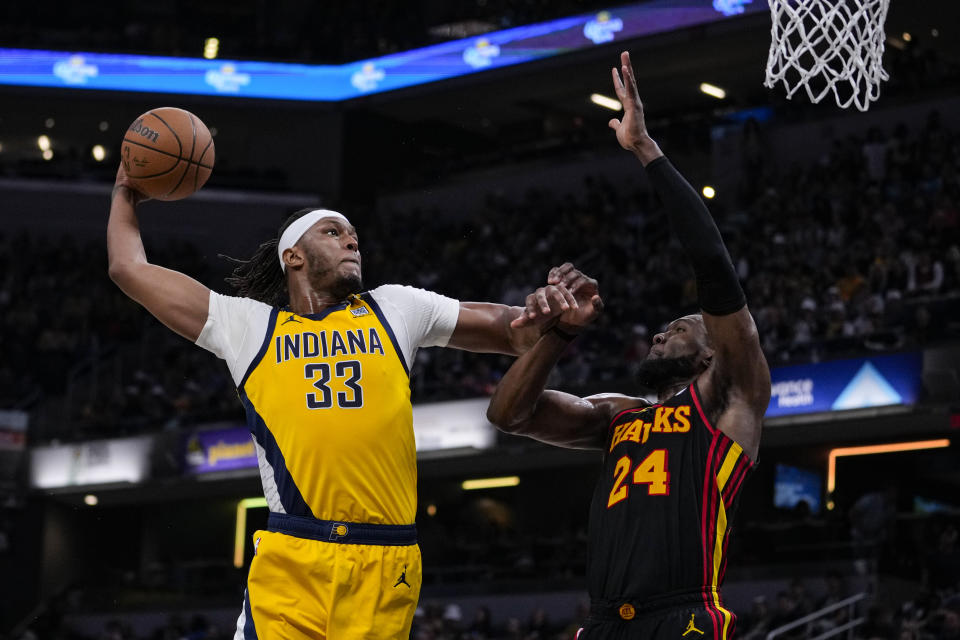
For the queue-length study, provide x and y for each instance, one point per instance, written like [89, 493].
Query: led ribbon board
[859, 383]
[155, 74]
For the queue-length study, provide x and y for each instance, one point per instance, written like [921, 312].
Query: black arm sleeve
[718, 287]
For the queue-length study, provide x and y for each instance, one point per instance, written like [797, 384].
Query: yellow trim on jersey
[733, 455]
[729, 464]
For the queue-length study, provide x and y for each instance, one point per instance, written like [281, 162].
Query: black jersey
[661, 512]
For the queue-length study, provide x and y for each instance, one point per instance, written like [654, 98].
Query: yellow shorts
[318, 587]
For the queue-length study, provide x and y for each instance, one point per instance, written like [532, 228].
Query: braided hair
[261, 277]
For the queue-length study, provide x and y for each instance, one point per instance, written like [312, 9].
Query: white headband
[298, 227]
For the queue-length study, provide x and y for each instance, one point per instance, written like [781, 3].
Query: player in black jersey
[672, 471]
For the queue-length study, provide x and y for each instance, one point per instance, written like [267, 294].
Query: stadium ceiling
[670, 68]
[487, 108]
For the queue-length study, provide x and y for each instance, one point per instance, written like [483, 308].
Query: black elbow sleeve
[718, 287]
[719, 290]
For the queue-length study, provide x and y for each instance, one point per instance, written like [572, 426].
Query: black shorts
[685, 618]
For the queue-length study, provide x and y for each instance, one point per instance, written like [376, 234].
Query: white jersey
[236, 326]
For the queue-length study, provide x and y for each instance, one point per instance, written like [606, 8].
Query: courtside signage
[88, 463]
[13, 430]
[457, 425]
[156, 74]
[219, 450]
[839, 385]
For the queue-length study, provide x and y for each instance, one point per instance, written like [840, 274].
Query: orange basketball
[167, 153]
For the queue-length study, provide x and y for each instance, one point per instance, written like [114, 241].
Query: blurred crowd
[860, 251]
[928, 615]
[857, 252]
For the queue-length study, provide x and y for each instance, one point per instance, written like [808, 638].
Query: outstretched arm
[736, 387]
[496, 328]
[178, 301]
[521, 405]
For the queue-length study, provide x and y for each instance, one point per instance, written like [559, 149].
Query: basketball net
[828, 46]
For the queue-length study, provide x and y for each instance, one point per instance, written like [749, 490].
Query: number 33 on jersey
[329, 400]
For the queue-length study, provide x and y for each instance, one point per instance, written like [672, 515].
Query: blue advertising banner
[219, 450]
[155, 74]
[846, 384]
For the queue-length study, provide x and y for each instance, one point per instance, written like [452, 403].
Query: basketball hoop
[828, 46]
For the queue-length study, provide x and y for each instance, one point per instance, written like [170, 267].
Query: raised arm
[176, 300]
[735, 388]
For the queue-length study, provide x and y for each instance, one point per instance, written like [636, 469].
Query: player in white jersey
[322, 370]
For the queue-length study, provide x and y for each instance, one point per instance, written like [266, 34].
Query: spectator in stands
[784, 613]
[835, 589]
[756, 623]
[942, 565]
[482, 626]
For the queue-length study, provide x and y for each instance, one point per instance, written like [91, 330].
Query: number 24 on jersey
[651, 471]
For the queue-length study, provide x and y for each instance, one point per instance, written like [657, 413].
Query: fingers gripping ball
[167, 153]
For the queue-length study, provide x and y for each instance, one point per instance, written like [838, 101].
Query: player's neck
[668, 392]
[304, 300]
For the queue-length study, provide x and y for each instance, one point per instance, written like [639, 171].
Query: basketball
[167, 153]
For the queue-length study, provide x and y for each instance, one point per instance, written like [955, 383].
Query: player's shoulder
[238, 304]
[613, 404]
[403, 296]
[402, 290]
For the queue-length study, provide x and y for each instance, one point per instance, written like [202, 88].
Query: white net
[828, 46]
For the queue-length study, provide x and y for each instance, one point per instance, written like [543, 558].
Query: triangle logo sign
[867, 389]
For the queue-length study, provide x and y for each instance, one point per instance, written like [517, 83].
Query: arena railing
[809, 620]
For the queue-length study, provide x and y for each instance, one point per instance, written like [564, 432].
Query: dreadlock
[261, 277]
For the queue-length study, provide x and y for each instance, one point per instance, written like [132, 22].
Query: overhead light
[98, 152]
[606, 101]
[211, 47]
[490, 483]
[709, 192]
[44, 143]
[90, 500]
[935, 32]
[713, 90]
[916, 445]
[49, 123]
[907, 37]
[240, 533]
[47, 154]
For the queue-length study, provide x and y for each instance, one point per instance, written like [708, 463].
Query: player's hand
[569, 297]
[123, 181]
[545, 306]
[632, 128]
[585, 292]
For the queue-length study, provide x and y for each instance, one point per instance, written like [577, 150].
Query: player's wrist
[646, 149]
[128, 193]
[564, 331]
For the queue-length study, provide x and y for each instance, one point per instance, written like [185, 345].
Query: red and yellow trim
[727, 466]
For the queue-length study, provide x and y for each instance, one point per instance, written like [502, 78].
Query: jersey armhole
[268, 334]
[368, 298]
[616, 417]
[695, 394]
